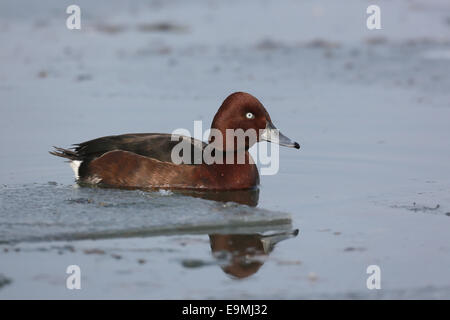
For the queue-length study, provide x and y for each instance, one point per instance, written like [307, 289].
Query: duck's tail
[65, 153]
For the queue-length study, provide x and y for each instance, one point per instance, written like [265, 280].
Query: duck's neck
[219, 157]
[234, 175]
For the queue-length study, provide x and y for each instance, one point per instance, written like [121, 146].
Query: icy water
[52, 212]
[370, 185]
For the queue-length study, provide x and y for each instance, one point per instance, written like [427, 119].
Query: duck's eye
[250, 115]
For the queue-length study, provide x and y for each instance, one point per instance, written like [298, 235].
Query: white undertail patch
[75, 165]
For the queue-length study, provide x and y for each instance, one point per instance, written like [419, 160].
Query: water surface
[369, 186]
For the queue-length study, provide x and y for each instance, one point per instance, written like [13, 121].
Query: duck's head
[241, 110]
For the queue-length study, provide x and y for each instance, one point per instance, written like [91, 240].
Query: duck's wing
[153, 145]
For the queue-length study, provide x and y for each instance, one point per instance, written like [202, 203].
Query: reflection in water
[241, 255]
[241, 235]
[245, 253]
[249, 197]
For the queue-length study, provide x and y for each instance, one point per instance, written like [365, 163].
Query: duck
[145, 160]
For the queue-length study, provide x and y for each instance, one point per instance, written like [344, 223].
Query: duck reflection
[242, 255]
[248, 197]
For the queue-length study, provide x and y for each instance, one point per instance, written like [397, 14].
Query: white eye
[250, 115]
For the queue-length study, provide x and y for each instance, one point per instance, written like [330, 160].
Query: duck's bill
[269, 241]
[272, 134]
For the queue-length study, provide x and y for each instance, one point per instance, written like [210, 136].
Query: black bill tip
[296, 145]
